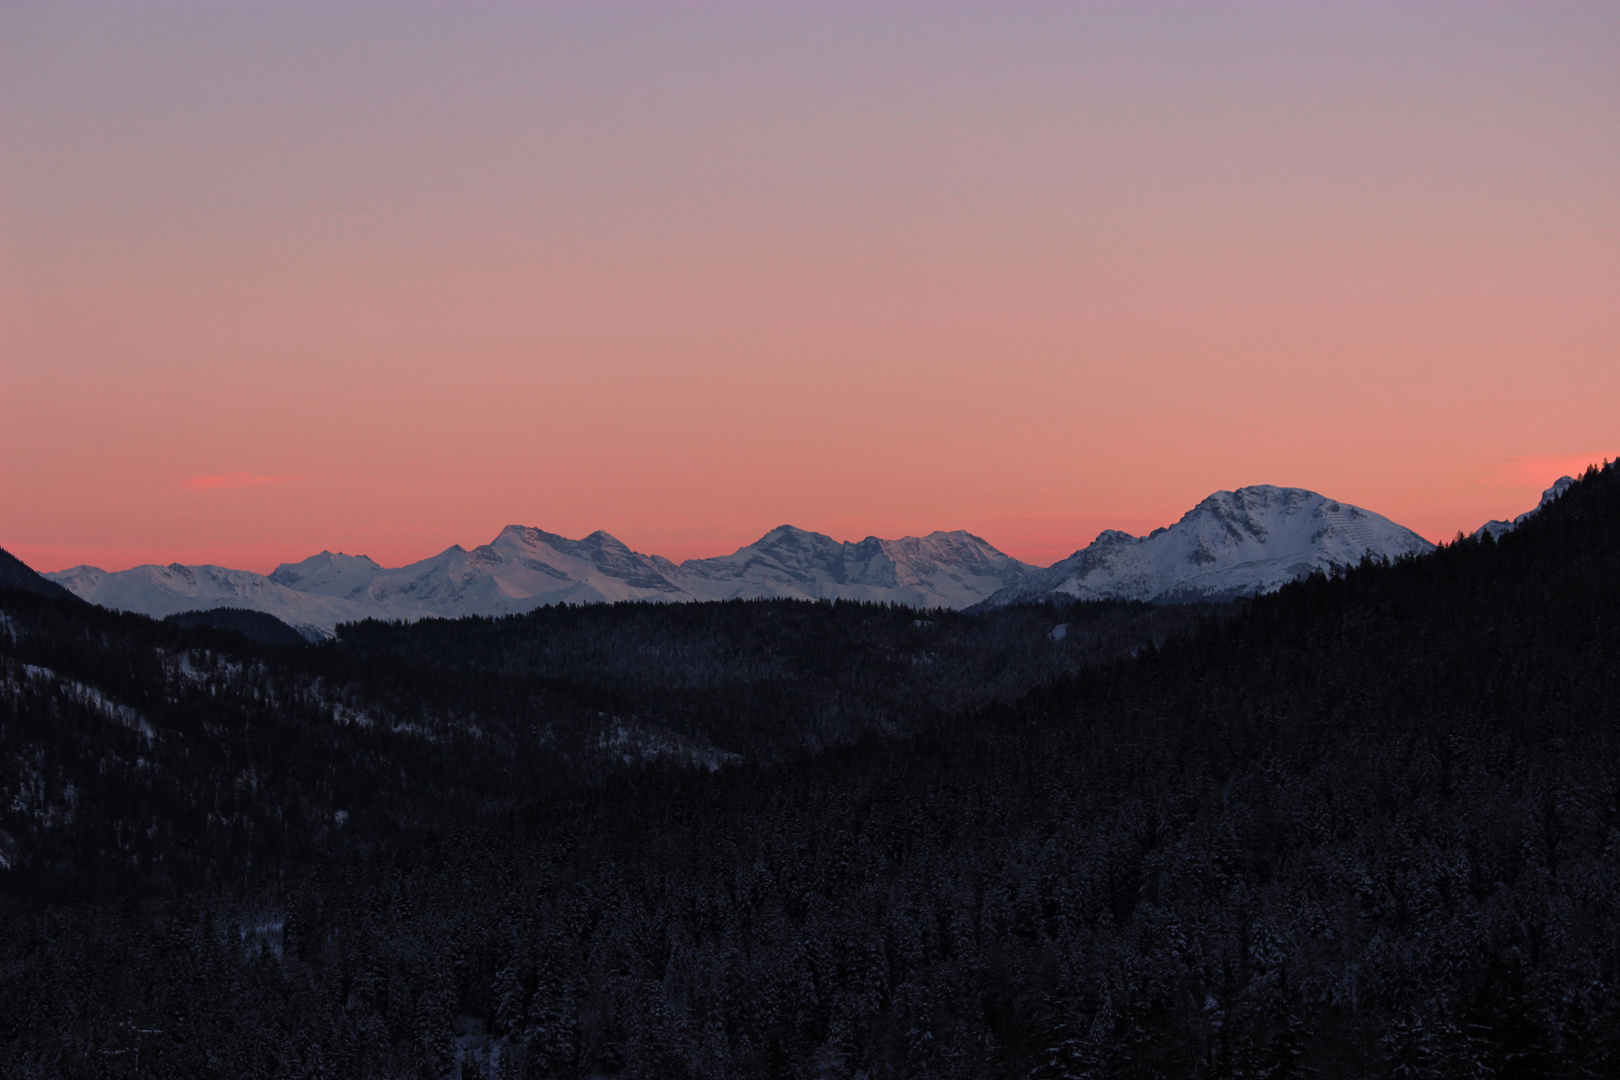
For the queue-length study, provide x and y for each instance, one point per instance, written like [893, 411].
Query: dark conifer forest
[1367, 826]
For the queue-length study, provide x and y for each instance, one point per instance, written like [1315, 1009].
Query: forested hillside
[1366, 826]
[151, 758]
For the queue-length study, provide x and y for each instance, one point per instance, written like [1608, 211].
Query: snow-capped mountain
[1252, 540]
[166, 590]
[520, 569]
[1497, 528]
[942, 569]
[329, 574]
[525, 568]
[1234, 542]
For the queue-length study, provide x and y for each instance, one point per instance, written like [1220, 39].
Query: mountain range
[1252, 540]
[525, 568]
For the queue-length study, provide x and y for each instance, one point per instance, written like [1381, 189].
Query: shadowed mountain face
[16, 574]
[1233, 543]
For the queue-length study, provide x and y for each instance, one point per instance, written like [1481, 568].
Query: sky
[380, 278]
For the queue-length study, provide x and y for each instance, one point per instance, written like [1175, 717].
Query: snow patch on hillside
[81, 694]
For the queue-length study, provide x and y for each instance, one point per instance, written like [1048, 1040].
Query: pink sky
[383, 278]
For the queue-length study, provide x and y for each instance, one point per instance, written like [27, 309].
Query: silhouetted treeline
[257, 626]
[1368, 826]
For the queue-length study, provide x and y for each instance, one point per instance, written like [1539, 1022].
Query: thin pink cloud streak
[1541, 470]
[237, 480]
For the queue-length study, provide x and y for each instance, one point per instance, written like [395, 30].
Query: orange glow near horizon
[283, 277]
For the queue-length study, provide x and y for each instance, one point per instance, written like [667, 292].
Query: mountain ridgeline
[17, 576]
[1364, 825]
[1233, 543]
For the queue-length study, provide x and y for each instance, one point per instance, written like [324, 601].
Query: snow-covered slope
[1497, 528]
[165, 590]
[942, 569]
[520, 569]
[1251, 540]
[329, 574]
[525, 568]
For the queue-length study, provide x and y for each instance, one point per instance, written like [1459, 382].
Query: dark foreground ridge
[1367, 826]
[18, 575]
[258, 626]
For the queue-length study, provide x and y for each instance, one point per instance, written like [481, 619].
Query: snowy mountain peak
[942, 569]
[324, 572]
[606, 540]
[525, 534]
[1561, 485]
[1252, 540]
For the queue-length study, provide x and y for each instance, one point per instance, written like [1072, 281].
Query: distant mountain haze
[1233, 543]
